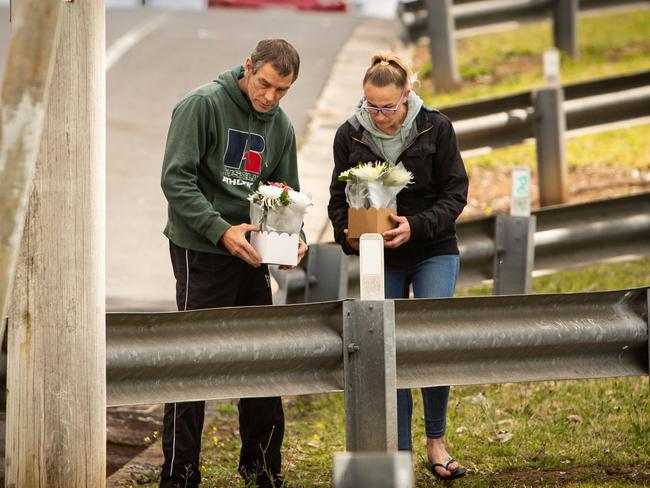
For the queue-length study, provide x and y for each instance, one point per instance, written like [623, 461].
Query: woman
[392, 124]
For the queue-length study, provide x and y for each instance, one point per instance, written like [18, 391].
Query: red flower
[280, 185]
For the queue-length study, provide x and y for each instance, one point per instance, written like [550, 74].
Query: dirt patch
[533, 477]
[129, 431]
[490, 188]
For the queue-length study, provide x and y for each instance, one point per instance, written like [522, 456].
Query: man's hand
[396, 237]
[302, 249]
[234, 240]
[354, 243]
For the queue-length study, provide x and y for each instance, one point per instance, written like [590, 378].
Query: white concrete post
[56, 405]
[371, 267]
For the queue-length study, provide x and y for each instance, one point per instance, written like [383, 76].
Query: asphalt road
[169, 54]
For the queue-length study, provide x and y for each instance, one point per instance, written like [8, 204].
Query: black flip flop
[457, 473]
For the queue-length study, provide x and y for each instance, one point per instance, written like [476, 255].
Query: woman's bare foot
[437, 454]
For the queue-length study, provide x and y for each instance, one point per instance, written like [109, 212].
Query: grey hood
[391, 145]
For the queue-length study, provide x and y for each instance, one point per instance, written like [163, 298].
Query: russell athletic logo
[238, 152]
[243, 158]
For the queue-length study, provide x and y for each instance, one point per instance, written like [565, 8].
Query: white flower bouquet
[276, 207]
[371, 192]
[375, 185]
[278, 211]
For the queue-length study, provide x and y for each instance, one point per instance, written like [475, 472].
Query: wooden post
[22, 109]
[56, 406]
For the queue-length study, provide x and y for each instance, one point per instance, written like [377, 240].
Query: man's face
[266, 87]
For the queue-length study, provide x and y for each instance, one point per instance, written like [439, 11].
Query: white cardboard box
[276, 248]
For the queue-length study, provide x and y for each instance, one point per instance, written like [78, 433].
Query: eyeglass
[371, 109]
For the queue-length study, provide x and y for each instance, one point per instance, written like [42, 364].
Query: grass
[602, 277]
[508, 62]
[534, 434]
[619, 148]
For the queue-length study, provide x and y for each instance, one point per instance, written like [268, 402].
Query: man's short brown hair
[283, 57]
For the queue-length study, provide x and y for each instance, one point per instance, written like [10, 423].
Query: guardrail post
[550, 126]
[565, 26]
[514, 256]
[327, 273]
[370, 375]
[442, 45]
[376, 470]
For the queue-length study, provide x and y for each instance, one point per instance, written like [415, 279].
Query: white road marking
[131, 38]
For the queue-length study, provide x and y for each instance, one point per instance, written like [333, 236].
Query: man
[224, 138]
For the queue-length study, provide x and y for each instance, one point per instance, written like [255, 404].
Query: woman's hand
[396, 237]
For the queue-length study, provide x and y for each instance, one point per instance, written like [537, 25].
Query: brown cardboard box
[369, 221]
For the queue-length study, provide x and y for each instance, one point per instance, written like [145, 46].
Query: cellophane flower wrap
[276, 207]
[375, 185]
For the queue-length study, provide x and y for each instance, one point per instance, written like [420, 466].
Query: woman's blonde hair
[386, 68]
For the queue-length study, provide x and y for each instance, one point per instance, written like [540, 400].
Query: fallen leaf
[504, 436]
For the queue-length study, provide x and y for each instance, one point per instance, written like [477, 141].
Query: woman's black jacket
[432, 203]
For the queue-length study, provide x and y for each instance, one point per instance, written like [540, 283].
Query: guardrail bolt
[352, 347]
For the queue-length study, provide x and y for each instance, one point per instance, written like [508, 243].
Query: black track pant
[206, 280]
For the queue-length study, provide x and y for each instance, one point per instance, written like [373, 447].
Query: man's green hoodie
[219, 148]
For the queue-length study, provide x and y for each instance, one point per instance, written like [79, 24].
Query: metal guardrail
[545, 114]
[280, 350]
[413, 14]
[572, 91]
[478, 340]
[440, 21]
[567, 236]
[223, 353]
[511, 119]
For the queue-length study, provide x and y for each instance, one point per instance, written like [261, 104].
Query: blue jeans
[432, 278]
